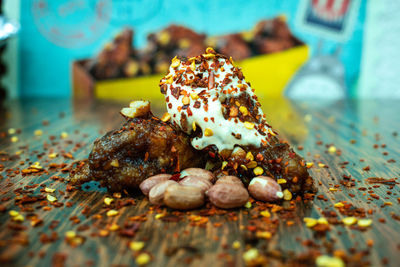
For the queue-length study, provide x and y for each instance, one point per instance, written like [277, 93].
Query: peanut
[229, 179]
[182, 197]
[147, 184]
[196, 181]
[202, 173]
[156, 194]
[228, 195]
[265, 189]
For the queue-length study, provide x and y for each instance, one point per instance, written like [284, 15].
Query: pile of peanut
[195, 185]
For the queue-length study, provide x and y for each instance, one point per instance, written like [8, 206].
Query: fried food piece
[142, 147]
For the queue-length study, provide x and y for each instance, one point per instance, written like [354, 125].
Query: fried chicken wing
[142, 147]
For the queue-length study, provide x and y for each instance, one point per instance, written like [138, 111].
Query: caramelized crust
[143, 147]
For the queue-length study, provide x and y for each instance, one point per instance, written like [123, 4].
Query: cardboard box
[268, 74]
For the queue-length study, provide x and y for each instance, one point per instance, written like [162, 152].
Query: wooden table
[364, 134]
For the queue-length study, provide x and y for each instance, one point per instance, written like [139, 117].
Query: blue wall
[45, 68]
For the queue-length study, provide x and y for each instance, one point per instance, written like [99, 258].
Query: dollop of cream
[195, 91]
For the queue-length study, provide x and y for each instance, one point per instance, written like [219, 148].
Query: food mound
[208, 98]
[215, 131]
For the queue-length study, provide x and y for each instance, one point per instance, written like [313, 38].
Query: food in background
[119, 59]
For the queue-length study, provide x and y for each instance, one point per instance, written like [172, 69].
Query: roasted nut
[265, 189]
[202, 173]
[229, 179]
[196, 181]
[228, 195]
[147, 184]
[156, 194]
[136, 109]
[182, 197]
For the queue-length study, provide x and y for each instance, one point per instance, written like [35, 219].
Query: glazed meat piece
[209, 99]
[142, 147]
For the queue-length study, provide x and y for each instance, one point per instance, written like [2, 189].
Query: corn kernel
[64, 135]
[250, 255]
[310, 222]
[70, 234]
[166, 117]
[210, 50]
[287, 195]
[338, 205]
[14, 139]
[112, 213]
[13, 213]
[332, 149]
[264, 234]
[208, 132]
[38, 132]
[185, 100]
[49, 190]
[249, 156]
[136, 245]
[18, 218]
[194, 96]
[258, 171]
[243, 167]
[108, 200]
[236, 244]
[321, 165]
[114, 163]
[309, 164]
[142, 259]
[349, 220]
[53, 155]
[159, 216]
[364, 222]
[193, 65]
[113, 227]
[248, 125]
[265, 213]
[322, 220]
[281, 181]
[271, 132]
[51, 198]
[327, 261]
[224, 163]
[247, 205]
[12, 131]
[244, 110]
[251, 164]
[175, 62]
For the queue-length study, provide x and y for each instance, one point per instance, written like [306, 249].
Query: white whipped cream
[209, 116]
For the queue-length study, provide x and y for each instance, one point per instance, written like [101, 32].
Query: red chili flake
[197, 104]
[366, 168]
[169, 105]
[175, 177]
[205, 119]
[189, 112]
[212, 119]
[175, 91]
[211, 154]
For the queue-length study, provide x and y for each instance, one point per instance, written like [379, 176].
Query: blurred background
[114, 49]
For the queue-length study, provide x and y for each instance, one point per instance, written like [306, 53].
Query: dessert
[208, 98]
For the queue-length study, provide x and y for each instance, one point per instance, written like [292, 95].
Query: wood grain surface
[364, 133]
